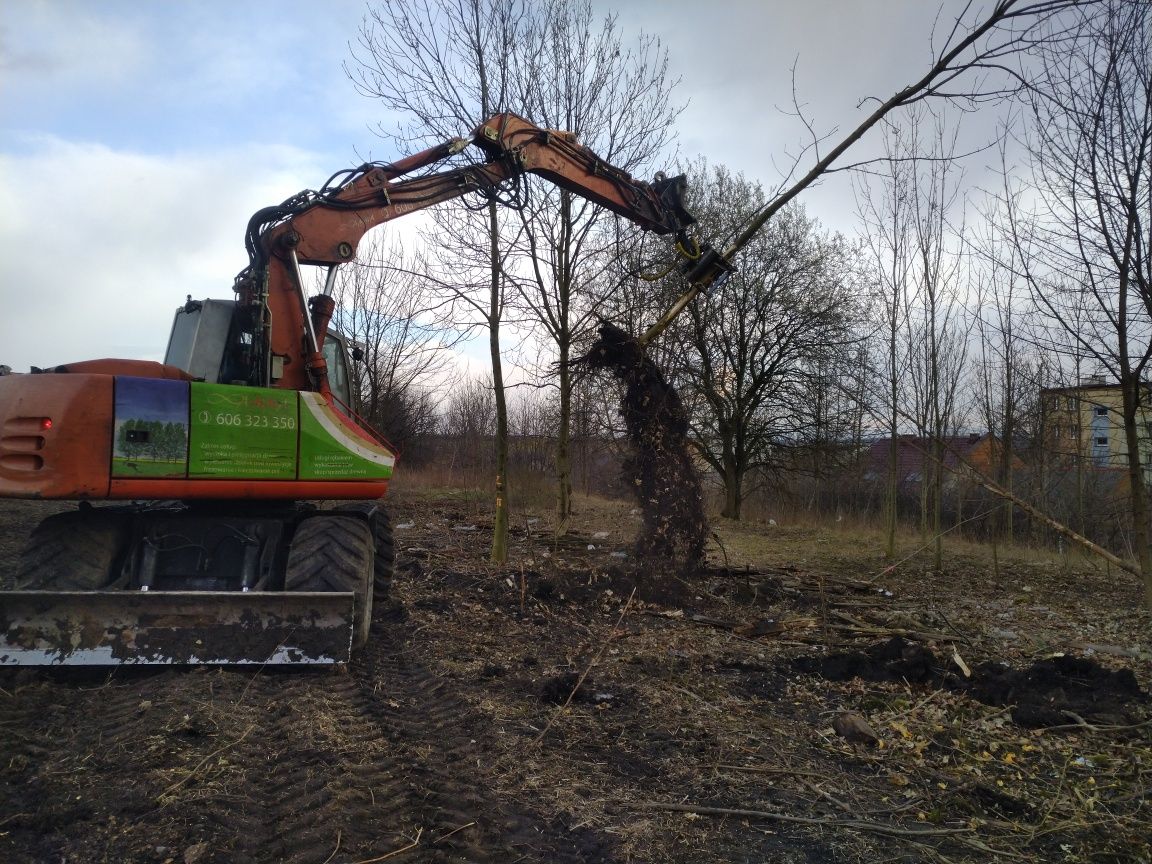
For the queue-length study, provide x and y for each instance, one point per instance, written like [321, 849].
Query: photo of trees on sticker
[151, 431]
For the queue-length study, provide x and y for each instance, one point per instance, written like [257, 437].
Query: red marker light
[46, 423]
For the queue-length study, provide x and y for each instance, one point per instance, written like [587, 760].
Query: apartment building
[1084, 423]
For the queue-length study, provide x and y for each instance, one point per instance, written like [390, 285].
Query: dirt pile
[659, 470]
[1056, 691]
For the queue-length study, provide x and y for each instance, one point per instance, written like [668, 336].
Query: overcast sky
[136, 138]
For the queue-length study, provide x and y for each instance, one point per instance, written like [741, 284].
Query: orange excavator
[215, 556]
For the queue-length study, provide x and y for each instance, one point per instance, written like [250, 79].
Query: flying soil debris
[660, 468]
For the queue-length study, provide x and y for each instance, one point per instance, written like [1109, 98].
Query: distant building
[914, 454]
[1084, 425]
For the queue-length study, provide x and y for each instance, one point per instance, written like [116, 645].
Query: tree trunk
[1140, 530]
[893, 491]
[1008, 433]
[564, 348]
[564, 443]
[732, 497]
[733, 479]
[937, 505]
[925, 499]
[500, 491]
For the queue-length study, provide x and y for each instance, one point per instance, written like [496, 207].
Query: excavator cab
[201, 334]
[209, 340]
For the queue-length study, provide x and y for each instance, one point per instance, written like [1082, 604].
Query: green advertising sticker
[242, 432]
[329, 450]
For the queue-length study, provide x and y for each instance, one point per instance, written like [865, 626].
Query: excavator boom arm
[330, 228]
[325, 228]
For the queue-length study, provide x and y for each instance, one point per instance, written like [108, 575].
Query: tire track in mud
[303, 767]
[444, 792]
[89, 752]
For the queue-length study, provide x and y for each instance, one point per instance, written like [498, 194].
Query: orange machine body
[63, 436]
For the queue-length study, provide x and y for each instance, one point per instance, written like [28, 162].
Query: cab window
[338, 373]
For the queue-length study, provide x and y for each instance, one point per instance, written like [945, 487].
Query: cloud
[153, 77]
[104, 244]
[80, 50]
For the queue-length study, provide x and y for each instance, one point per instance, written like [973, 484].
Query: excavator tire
[72, 551]
[334, 553]
[385, 558]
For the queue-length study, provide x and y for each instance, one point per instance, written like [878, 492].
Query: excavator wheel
[385, 557]
[72, 551]
[334, 553]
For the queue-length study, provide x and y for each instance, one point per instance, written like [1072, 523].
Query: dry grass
[862, 543]
[804, 537]
[525, 490]
[700, 712]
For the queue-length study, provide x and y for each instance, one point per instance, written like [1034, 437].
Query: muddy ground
[543, 712]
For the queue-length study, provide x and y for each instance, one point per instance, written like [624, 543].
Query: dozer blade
[84, 628]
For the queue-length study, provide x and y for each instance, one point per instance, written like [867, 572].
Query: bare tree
[748, 359]
[937, 332]
[444, 65]
[1086, 245]
[467, 424]
[436, 61]
[976, 44]
[1007, 367]
[581, 75]
[884, 202]
[908, 206]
